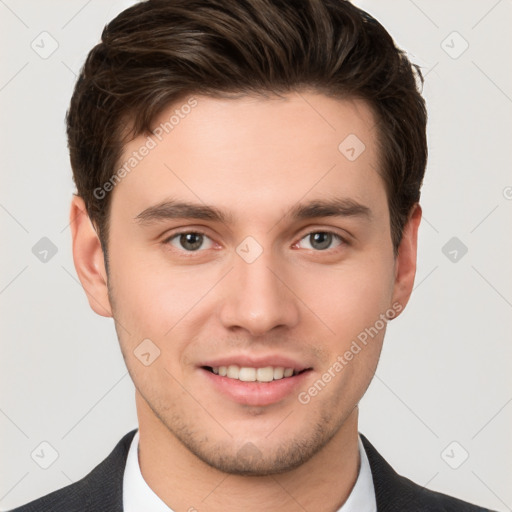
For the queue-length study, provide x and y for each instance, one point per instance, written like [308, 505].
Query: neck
[184, 482]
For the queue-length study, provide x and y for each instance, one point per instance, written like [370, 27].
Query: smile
[251, 374]
[256, 385]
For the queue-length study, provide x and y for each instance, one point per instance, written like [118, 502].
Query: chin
[263, 457]
[250, 461]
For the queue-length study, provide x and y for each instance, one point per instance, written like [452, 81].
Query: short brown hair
[159, 51]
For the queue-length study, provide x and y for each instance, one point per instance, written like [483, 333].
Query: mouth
[252, 374]
[258, 385]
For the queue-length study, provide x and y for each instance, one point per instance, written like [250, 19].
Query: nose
[258, 297]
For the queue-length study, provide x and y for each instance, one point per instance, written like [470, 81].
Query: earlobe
[88, 258]
[405, 264]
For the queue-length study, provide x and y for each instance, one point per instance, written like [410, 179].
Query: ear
[405, 263]
[88, 258]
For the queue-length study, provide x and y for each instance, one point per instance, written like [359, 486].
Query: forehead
[254, 154]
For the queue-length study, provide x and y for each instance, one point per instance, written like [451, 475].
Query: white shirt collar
[137, 495]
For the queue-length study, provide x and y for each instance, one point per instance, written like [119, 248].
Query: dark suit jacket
[102, 489]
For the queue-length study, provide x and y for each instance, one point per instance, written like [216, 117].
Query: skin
[255, 158]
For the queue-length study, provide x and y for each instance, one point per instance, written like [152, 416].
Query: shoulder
[394, 492]
[101, 489]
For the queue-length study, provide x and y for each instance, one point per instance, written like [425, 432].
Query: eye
[190, 241]
[322, 240]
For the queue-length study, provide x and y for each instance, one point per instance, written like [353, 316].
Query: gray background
[445, 372]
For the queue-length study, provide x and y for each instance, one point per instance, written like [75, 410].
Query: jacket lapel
[392, 491]
[104, 487]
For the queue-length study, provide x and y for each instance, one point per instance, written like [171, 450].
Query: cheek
[145, 294]
[156, 301]
[156, 305]
[140, 299]
[349, 297]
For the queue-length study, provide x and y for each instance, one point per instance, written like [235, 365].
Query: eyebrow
[174, 209]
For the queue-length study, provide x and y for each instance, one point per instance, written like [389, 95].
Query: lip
[256, 393]
[257, 362]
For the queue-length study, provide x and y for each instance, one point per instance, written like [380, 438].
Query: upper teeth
[248, 374]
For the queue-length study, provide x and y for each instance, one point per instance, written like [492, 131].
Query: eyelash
[343, 241]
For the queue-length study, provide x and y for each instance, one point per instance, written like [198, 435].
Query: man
[248, 179]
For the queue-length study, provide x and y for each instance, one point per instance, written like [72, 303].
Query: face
[245, 246]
